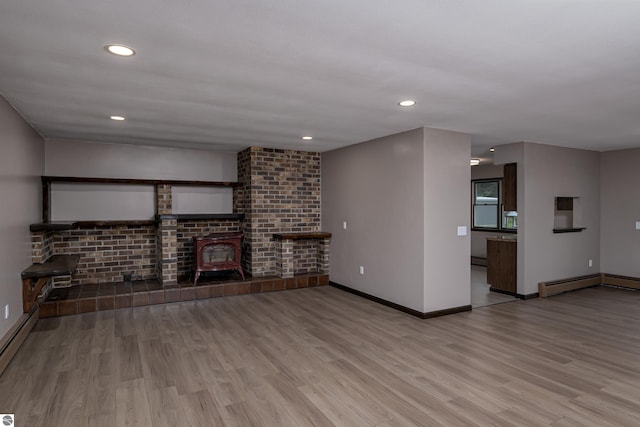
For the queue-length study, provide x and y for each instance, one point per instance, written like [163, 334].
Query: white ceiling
[229, 74]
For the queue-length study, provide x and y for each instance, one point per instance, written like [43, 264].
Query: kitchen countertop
[503, 238]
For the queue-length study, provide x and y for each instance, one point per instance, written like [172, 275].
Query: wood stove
[217, 252]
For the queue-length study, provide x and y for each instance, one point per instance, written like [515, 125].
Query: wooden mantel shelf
[70, 225]
[301, 236]
[91, 180]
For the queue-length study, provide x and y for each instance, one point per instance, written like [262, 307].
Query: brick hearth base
[109, 296]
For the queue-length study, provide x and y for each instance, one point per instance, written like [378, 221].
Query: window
[487, 207]
[486, 203]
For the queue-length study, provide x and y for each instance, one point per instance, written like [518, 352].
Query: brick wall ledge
[196, 217]
[301, 236]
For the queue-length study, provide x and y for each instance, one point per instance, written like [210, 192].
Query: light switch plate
[462, 230]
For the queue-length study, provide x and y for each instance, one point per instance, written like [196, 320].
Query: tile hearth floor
[109, 296]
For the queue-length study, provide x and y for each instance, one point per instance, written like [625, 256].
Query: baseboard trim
[416, 313]
[623, 281]
[476, 260]
[502, 291]
[446, 311]
[528, 296]
[13, 339]
[546, 289]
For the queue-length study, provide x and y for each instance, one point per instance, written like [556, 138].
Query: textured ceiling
[229, 74]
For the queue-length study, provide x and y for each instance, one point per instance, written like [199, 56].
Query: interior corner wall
[21, 165]
[446, 195]
[620, 210]
[377, 188]
[551, 171]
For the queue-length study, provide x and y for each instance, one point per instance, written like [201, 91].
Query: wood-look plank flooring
[324, 357]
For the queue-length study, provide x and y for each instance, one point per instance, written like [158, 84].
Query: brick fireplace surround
[278, 192]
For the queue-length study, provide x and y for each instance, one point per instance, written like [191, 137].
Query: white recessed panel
[106, 202]
[202, 200]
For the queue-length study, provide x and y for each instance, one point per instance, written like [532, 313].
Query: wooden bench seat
[36, 276]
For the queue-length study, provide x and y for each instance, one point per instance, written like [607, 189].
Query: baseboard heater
[546, 289]
[623, 281]
[13, 339]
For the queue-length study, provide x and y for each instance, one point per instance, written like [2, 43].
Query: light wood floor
[324, 357]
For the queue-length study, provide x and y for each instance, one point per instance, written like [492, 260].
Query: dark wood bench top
[57, 265]
[301, 236]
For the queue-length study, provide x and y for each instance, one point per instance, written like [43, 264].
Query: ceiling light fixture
[492, 149]
[307, 138]
[120, 50]
[117, 118]
[407, 103]
[474, 162]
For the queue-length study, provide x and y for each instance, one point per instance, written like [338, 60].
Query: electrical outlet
[361, 269]
[344, 225]
[6, 311]
[590, 263]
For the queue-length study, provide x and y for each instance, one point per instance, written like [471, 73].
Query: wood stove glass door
[218, 254]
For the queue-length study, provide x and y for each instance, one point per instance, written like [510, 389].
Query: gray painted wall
[545, 172]
[620, 209]
[92, 159]
[377, 187]
[447, 175]
[21, 164]
[126, 202]
[403, 197]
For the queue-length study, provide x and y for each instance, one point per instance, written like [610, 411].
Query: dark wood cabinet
[502, 264]
[510, 187]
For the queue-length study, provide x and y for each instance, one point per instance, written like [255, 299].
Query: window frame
[499, 210]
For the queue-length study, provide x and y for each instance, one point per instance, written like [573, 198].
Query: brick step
[109, 296]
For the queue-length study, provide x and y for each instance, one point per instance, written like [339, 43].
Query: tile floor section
[481, 296]
[109, 296]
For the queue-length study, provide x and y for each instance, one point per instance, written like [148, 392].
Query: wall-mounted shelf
[89, 180]
[569, 230]
[70, 225]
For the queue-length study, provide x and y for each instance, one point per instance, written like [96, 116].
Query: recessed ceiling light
[120, 50]
[492, 149]
[307, 138]
[474, 162]
[407, 103]
[117, 118]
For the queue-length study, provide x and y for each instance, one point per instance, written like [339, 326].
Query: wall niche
[567, 215]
